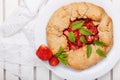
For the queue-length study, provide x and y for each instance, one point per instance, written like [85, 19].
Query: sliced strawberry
[87, 20]
[94, 30]
[77, 34]
[65, 32]
[69, 29]
[88, 24]
[90, 39]
[54, 61]
[96, 37]
[91, 27]
[44, 53]
[72, 46]
[79, 43]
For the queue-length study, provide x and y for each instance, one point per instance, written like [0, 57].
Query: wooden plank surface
[1, 71]
[12, 68]
[1, 74]
[42, 73]
[55, 77]
[106, 77]
[10, 76]
[27, 73]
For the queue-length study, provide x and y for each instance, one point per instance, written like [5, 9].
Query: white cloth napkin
[18, 32]
[17, 37]
[22, 16]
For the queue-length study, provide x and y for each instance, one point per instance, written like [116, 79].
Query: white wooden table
[39, 73]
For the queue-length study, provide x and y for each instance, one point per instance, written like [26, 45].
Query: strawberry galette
[80, 32]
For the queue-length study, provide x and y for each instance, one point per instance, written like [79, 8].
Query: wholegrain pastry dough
[60, 20]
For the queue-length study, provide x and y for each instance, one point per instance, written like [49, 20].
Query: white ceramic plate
[97, 70]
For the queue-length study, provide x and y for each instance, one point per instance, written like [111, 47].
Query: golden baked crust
[60, 20]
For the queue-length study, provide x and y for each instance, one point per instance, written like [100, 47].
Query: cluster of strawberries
[45, 54]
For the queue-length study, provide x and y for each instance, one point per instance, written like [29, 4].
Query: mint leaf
[89, 51]
[85, 31]
[61, 55]
[82, 39]
[63, 61]
[100, 53]
[71, 37]
[64, 55]
[62, 58]
[77, 25]
[60, 50]
[98, 43]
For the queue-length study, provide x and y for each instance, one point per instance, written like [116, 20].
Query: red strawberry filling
[77, 34]
[88, 23]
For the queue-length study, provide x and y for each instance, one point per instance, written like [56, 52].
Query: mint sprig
[61, 55]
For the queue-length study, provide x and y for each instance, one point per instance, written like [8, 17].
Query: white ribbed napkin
[17, 47]
[22, 16]
[18, 30]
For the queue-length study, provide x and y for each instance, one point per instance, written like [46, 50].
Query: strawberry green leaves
[100, 53]
[85, 31]
[77, 25]
[61, 55]
[89, 51]
[71, 37]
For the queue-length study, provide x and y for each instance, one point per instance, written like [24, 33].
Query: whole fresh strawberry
[54, 61]
[44, 53]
